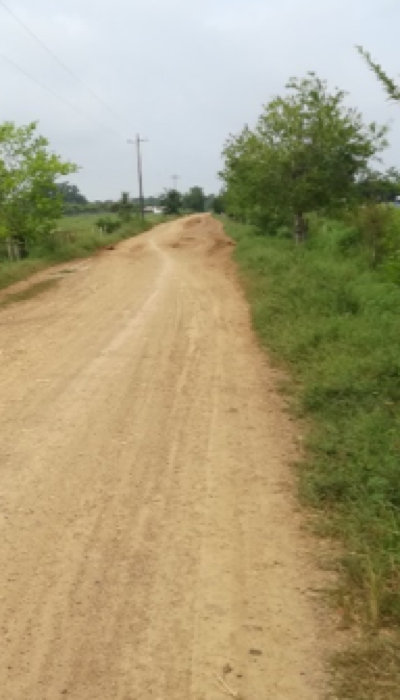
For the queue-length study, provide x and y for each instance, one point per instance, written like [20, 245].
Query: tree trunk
[300, 228]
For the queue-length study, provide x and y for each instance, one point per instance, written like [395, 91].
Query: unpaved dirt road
[150, 546]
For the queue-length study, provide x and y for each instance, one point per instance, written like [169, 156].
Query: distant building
[154, 210]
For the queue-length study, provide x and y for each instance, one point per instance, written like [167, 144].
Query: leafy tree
[195, 200]
[392, 89]
[304, 156]
[71, 194]
[171, 200]
[218, 204]
[379, 187]
[30, 200]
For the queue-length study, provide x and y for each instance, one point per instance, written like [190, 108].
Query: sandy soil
[150, 543]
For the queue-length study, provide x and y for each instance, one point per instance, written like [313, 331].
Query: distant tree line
[194, 201]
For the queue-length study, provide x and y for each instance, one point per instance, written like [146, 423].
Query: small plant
[108, 225]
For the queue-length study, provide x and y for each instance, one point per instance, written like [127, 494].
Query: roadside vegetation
[44, 221]
[33, 233]
[318, 244]
[195, 201]
[74, 237]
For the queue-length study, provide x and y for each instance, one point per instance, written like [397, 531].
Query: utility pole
[175, 179]
[138, 143]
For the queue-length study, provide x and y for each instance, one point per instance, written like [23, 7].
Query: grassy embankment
[75, 237]
[335, 325]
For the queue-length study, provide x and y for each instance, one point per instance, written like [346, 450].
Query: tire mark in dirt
[150, 539]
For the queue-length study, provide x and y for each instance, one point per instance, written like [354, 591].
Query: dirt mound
[193, 221]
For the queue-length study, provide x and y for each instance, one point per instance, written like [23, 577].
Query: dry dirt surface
[150, 544]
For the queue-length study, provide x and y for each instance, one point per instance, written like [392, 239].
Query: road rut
[150, 544]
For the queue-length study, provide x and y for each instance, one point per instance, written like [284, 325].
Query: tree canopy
[71, 194]
[30, 200]
[391, 87]
[304, 155]
[195, 200]
[171, 200]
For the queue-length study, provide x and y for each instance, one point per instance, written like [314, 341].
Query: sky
[184, 74]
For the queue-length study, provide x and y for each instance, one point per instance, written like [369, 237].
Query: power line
[59, 97]
[59, 61]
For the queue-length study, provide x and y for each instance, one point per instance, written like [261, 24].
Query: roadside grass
[74, 237]
[15, 272]
[369, 672]
[81, 222]
[334, 323]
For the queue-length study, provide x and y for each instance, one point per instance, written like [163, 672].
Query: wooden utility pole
[138, 142]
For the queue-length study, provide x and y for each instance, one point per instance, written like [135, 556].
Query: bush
[108, 225]
[379, 228]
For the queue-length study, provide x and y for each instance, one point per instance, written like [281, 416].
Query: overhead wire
[59, 61]
[59, 97]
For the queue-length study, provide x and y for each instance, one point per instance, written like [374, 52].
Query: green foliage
[376, 186]
[108, 225]
[334, 321]
[218, 204]
[73, 199]
[30, 201]
[304, 155]
[392, 88]
[378, 226]
[194, 200]
[171, 200]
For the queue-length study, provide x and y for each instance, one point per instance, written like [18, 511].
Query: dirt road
[150, 546]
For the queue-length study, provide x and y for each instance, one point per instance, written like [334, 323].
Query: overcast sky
[185, 74]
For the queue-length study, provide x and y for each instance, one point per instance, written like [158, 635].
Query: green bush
[108, 225]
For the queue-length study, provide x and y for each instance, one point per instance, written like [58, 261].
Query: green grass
[335, 325]
[74, 237]
[83, 222]
[15, 272]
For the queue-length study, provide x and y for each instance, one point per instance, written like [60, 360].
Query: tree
[392, 89]
[171, 200]
[194, 200]
[71, 194]
[376, 186]
[218, 205]
[30, 200]
[304, 156]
